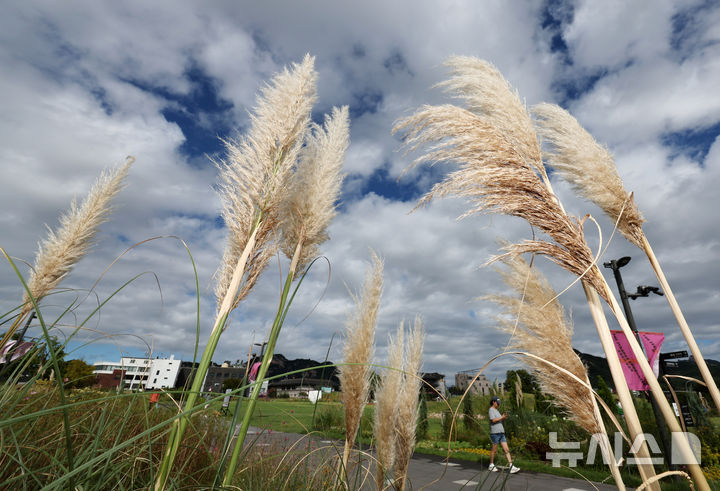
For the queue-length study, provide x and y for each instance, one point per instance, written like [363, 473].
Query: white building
[142, 373]
[163, 373]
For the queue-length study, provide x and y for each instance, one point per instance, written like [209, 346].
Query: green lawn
[290, 416]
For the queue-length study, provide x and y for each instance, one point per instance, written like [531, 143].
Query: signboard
[630, 367]
[687, 417]
[673, 355]
[226, 399]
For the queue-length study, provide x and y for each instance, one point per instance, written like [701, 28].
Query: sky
[85, 84]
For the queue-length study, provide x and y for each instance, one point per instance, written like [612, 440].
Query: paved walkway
[433, 473]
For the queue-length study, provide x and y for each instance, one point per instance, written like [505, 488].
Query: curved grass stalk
[59, 482]
[64, 407]
[282, 311]
[540, 327]
[53, 355]
[178, 430]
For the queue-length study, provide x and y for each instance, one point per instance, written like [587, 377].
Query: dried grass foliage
[255, 169]
[494, 176]
[397, 405]
[538, 325]
[314, 187]
[354, 375]
[589, 167]
[386, 398]
[63, 248]
[408, 404]
[487, 94]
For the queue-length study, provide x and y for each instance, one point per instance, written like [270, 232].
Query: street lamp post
[642, 291]
[262, 348]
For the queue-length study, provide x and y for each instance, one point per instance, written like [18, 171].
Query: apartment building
[138, 373]
[481, 385]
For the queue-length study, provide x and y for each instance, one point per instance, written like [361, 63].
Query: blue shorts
[496, 438]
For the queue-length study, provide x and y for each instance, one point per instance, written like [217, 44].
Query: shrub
[232, 384]
[469, 421]
[447, 419]
[329, 418]
[422, 423]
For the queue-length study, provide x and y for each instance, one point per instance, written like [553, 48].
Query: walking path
[433, 473]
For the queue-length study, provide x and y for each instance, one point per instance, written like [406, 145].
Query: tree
[527, 379]
[447, 420]
[232, 384]
[79, 374]
[469, 421]
[422, 423]
[604, 392]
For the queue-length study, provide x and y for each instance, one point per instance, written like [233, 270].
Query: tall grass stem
[687, 333]
[283, 307]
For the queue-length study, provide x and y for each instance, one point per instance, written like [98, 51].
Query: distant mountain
[598, 365]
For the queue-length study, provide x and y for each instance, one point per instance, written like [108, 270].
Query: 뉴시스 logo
[573, 454]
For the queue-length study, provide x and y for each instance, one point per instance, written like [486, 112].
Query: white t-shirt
[495, 427]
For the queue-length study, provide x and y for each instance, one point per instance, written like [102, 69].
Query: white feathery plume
[62, 249]
[314, 188]
[255, 170]
[359, 347]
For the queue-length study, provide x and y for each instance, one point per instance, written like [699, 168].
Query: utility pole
[642, 291]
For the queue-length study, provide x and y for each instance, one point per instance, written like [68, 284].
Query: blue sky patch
[685, 36]
[382, 184]
[188, 111]
[571, 88]
[554, 15]
[694, 143]
[365, 102]
[396, 63]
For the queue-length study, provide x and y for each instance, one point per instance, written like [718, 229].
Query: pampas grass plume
[255, 169]
[315, 186]
[542, 329]
[358, 350]
[486, 93]
[407, 404]
[62, 249]
[495, 177]
[588, 166]
[386, 407]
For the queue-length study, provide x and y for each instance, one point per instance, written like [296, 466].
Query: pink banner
[254, 371]
[631, 369]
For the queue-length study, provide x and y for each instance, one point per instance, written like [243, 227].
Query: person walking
[497, 436]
